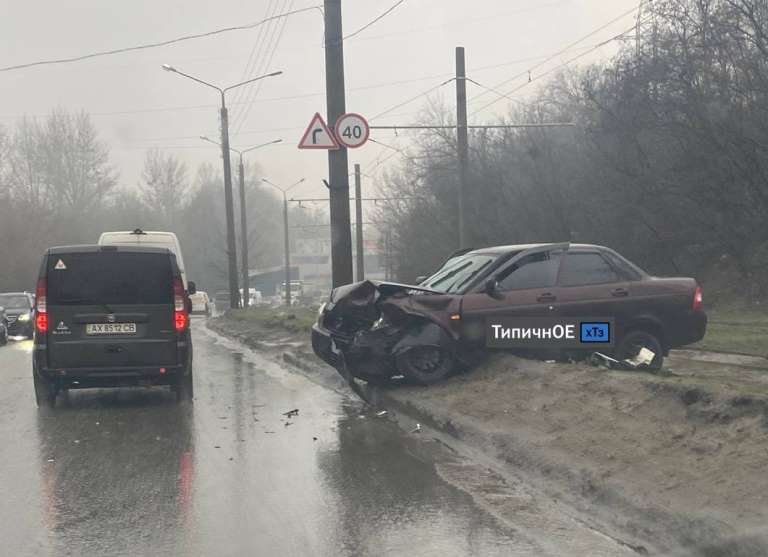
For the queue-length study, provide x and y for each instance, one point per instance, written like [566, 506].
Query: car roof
[92, 248]
[521, 247]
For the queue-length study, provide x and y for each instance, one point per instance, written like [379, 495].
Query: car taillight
[697, 299]
[41, 308]
[180, 318]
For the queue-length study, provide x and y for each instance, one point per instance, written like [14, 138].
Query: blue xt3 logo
[595, 332]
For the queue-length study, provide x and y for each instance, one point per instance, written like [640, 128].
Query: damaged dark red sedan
[377, 330]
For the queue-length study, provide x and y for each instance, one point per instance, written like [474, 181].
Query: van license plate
[110, 329]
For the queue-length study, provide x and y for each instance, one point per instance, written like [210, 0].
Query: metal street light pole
[243, 217]
[286, 238]
[234, 293]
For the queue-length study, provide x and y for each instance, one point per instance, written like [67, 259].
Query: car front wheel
[425, 365]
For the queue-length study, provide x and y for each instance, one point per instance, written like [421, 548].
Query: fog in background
[666, 162]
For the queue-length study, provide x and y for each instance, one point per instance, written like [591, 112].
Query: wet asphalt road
[130, 472]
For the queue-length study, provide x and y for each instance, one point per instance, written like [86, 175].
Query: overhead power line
[554, 69]
[255, 55]
[375, 20]
[156, 44]
[253, 90]
[410, 100]
[560, 52]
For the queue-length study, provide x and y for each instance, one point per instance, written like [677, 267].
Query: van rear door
[110, 309]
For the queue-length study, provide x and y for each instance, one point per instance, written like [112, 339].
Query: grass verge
[740, 331]
[295, 319]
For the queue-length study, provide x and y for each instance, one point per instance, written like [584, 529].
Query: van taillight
[697, 299]
[180, 318]
[41, 307]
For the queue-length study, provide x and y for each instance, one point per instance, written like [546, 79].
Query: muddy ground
[663, 461]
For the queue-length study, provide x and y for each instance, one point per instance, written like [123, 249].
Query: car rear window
[582, 268]
[110, 278]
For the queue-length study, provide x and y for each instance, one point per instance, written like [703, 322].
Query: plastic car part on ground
[642, 359]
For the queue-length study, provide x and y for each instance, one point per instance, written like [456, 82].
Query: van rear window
[109, 278]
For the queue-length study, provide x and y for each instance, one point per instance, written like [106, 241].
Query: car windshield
[459, 272]
[14, 301]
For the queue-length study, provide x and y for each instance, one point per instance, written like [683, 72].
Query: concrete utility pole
[462, 142]
[287, 248]
[286, 238]
[243, 235]
[234, 292]
[338, 165]
[359, 226]
[243, 215]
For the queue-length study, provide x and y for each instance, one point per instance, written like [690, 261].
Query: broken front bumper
[324, 346]
[366, 355]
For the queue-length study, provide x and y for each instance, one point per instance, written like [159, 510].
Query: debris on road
[416, 429]
[643, 358]
[598, 358]
[291, 413]
[381, 413]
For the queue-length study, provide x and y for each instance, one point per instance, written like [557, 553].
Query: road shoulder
[645, 457]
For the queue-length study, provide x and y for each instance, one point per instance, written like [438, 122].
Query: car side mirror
[191, 287]
[421, 279]
[492, 288]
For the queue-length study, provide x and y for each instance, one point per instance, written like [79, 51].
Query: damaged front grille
[345, 326]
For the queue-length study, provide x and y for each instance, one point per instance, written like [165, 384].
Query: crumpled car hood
[368, 299]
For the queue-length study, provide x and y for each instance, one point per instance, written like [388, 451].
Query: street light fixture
[234, 293]
[243, 218]
[285, 236]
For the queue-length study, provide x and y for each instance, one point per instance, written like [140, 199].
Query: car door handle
[546, 297]
[619, 293]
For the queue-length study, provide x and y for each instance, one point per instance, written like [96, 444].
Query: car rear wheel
[425, 365]
[45, 392]
[184, 387]
[4, 338]
[634, 341]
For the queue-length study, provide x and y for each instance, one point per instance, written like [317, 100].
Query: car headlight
[24, 317]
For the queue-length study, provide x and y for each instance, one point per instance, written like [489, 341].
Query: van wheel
[633, 341]
[45, 392]
[184, 387]
[425, 365]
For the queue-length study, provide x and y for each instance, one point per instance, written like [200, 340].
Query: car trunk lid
[110, 309]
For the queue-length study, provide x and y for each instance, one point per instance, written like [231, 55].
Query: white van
[149, 238]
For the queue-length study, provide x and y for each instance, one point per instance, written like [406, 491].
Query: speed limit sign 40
[352, 130]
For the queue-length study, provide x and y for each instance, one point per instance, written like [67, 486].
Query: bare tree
[165, 187]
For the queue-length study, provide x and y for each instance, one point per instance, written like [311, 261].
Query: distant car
[385, 329]
[201, 303]
[110, 316]
[149, 238]
[254, 297]
[19, 312]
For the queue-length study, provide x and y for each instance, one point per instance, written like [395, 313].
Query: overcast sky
[136, 105]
